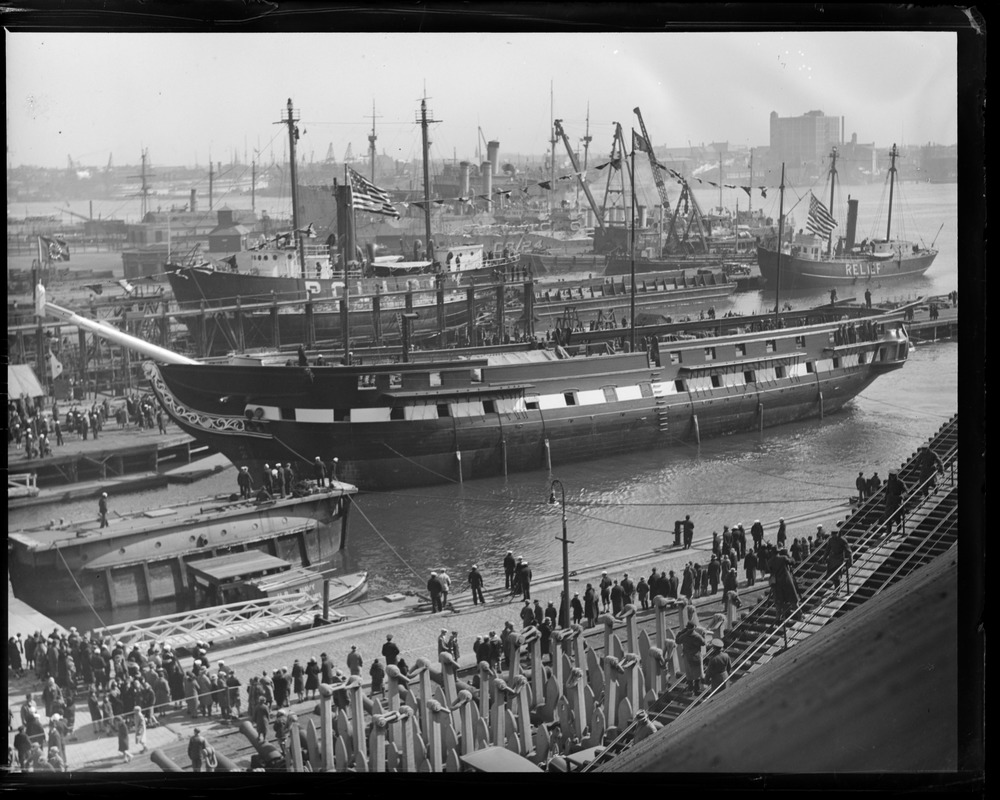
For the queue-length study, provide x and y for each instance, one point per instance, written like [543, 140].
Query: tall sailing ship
[815, 259]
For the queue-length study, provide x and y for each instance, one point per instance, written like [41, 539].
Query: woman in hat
[786, 597]
[298, 676]
[312, 678]
[122, 729]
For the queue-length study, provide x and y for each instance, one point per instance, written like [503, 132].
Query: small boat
[252, 575]
[813, 258]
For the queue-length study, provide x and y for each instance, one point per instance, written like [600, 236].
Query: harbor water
[628, 504]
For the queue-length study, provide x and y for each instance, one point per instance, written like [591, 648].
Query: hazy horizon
[193, 95]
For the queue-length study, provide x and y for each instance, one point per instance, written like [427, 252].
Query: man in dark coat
[757, 533]
[319, 472]
[266, 481]
[508, 569]
[525, 580]
[782, 535]
[476, 584]
[244, 482]
[434, 589]
[894, 489]
[288, 479]
[688, 531]
[616, 598]
[390, 650]
[527, 615]
[577, 608]
[838, 553]
[714, 573]
[750, 565]
[642, 590]
[861, 483]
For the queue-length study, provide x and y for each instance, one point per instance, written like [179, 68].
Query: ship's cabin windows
[741, 349]
[476, 375]
[770, 346]
[341, 415]
[288, 414]
[646, 389]
[800, 342]
[810, 367]
[531, 403]
[780, 371]
[675, 357]
[679, 383]
[862, 357]
[395, 380]
[836, 362]
[443, 410]
[366, 381]
[610, 395]
[434, 378]
[710, 354]
[396, 412]
[489, 407]
[716, 381]
[570, 398]
[749, 376]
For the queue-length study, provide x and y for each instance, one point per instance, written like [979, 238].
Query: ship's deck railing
[228, 621]
[22, 480]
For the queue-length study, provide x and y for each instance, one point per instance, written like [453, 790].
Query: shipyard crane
[687, 196]
[579, 175]
[657, 176]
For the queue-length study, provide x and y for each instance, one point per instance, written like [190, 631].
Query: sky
[184, 96]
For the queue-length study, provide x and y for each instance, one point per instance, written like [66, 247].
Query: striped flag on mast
[366, 196]
[820, 220]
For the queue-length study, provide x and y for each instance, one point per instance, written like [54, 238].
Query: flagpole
[781, 229]
[345, 303]
[632, 252]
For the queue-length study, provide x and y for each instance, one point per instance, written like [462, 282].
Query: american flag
[368, 197]
[820, 220]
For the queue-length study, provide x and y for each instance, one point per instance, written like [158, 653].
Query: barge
[144, 558]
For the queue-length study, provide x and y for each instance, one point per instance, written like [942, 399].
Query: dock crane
[579, 175]
[686, 198]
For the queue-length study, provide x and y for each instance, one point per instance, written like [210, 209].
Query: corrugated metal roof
[21, 380]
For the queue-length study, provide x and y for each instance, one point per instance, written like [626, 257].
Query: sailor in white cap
[102, 509]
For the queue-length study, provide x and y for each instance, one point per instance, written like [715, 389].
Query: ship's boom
[44, 308]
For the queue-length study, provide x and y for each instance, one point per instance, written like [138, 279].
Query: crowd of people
[31, 429]
[128, 689]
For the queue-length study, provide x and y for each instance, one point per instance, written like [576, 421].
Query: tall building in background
[804, 143]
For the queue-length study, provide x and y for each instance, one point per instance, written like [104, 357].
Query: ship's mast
[424, 122]
[781, 232]
[892, 181]
[632, 254]
[371, 143]
[833, 181]
[293, 137]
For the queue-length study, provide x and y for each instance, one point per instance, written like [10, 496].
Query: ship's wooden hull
[389, 429]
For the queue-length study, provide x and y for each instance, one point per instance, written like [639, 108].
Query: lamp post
[564, 622]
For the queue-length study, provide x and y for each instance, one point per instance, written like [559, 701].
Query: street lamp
[565, 549]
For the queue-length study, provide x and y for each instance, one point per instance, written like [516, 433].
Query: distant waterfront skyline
[193, 96]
